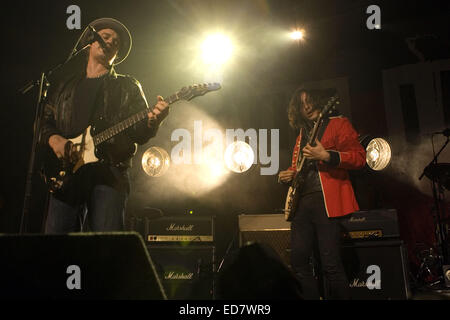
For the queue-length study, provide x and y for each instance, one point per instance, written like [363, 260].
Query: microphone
[98, 38]
[445, 132]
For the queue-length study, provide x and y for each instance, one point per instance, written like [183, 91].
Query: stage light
[216, 49]
[239, 156]
[297, 35]
[378, 152]
[155, 161]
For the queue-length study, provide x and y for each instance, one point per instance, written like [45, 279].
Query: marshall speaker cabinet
[377, 270]
[186, 272]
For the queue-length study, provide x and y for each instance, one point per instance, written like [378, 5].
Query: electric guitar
[293, 194]
[90, 145]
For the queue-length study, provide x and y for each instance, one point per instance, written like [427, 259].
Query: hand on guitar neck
[317, 152]
[159, 112]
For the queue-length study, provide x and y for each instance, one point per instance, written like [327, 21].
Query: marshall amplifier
[377, 270]
[186, 272]
[180, 229]
[270, 229]
[369, 225]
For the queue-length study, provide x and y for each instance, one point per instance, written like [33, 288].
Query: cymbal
[439, 172]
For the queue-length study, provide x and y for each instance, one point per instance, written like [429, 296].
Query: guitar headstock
[187, 93]
[329, 107]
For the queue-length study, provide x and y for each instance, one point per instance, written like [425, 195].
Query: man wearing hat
[95, 198]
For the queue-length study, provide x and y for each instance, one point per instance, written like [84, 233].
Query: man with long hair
[326, 192]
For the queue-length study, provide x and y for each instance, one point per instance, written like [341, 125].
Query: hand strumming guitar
[64, 148]
[286, 176]
[58, 143]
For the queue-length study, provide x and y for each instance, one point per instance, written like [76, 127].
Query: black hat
[117, 26]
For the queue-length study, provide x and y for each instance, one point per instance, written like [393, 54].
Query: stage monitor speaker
[187, 272]
[269, 229]
[377, 270]
[113, 265]
[255, 272]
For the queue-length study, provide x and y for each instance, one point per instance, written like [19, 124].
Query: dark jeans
[105, 211]
[311, 226]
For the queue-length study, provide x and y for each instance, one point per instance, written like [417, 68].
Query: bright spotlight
[378, 152]
[216, 49]
[297, 35]
[239, 156]
[155, 161]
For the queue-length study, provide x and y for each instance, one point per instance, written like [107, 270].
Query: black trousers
[311, 227]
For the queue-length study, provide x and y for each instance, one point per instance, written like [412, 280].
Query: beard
[102, 56]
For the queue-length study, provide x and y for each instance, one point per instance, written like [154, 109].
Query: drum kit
[439, 175]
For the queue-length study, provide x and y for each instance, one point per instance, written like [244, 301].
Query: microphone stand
[434, 161]
[437, 190]
[43, 84]
[42, 94]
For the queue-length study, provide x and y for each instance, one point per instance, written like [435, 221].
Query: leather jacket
[120, 96]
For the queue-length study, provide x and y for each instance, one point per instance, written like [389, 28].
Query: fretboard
[311, 141]
[128, 122]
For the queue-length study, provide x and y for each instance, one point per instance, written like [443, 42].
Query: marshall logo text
[178, 275]
[353, 219]
[372, 282]
[175, 227]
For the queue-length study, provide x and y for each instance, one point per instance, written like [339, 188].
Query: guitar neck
[130, 121]
[313, 136]
[315, 131]
[311, 141]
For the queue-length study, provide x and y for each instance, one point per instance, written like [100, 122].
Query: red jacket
[346, 153]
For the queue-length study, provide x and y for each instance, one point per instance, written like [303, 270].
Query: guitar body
[116, 149]
[56, 172]
[291, 204]
[88, 152]
[293, 195]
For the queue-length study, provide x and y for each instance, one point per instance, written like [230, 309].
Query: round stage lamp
[239, 156]
[155, 161]
[378, 154]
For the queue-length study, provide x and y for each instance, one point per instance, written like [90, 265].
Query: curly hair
[316, 97]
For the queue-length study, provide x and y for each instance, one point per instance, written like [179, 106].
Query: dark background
[257, 85]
